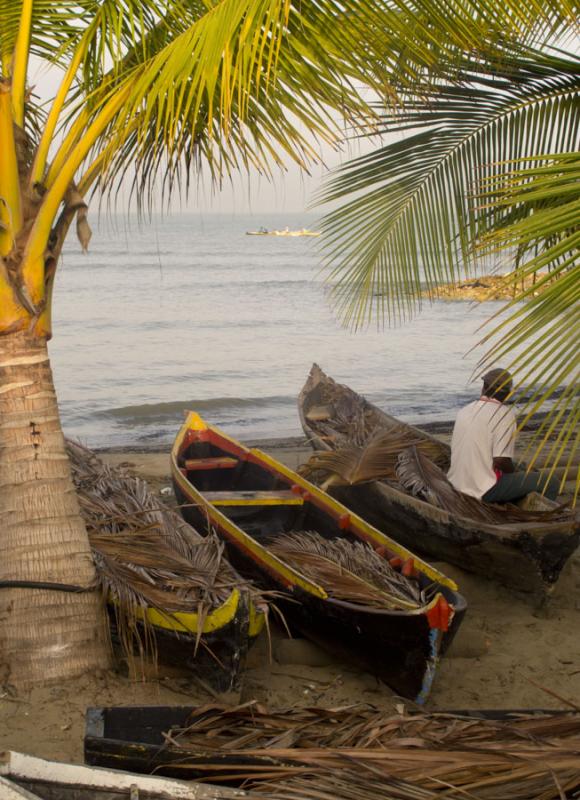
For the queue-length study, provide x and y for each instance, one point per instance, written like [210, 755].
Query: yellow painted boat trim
[185, 622]
[257, 621]
[257, 501]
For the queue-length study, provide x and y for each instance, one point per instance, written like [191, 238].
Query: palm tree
[487, 166]
[149, 92]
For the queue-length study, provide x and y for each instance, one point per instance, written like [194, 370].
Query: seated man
[483, 445]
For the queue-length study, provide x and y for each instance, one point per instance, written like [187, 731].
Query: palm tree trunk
[46, 634]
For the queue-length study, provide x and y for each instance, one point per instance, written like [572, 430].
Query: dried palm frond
[349, 419]
[419, 476]
[146, 555]
[345, 419]
[350, 571]
[357, 752]
[376, 460]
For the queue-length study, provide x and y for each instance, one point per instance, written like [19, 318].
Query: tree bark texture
[45, 634]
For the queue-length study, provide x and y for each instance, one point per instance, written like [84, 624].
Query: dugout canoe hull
[132, 738]
[248, 498]
[213, 647]
[525, 556]
[31, 778]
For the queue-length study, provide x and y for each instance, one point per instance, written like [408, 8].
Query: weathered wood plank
[276, 498]
[222, 462]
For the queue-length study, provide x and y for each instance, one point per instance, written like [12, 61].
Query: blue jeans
[514, 486]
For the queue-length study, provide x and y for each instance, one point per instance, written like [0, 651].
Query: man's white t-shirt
[484, 430]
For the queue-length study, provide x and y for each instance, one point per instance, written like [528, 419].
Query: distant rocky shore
[487, 287]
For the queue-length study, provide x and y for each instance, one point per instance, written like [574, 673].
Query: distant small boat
[285, 232]
[286, 534]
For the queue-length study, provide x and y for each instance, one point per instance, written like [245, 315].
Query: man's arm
[504, 464]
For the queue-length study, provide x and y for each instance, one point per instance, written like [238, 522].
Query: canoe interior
[260, 500]
[322, 399]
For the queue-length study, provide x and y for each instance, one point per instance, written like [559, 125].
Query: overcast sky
[291, 191]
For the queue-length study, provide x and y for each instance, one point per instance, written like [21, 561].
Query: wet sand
[507, 654]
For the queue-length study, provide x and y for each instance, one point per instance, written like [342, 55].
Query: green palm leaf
[413, 216]
[536, 211]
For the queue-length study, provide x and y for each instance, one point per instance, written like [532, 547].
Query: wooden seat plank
[247, 498]
[221, 462]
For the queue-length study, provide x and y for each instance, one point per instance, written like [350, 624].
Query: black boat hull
[131, 739]
[524, 559]
[218, 658]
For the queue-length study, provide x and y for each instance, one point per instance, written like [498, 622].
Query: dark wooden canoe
[170, 592]
[213, 646]
[134, 738]
[250, 499]
[526, 555]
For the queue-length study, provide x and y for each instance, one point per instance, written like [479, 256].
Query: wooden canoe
[526, 555]
[133, 738]
[145, 739]
[26, 777]
[212, 646]
[152, 566]
[252, 501]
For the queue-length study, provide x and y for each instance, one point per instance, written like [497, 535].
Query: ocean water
[188, 312]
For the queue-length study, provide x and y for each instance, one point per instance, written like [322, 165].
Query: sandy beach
[507, 654]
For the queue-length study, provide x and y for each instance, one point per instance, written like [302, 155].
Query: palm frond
[54, 26]
[535, 211]
[376, 460]
[231, 79]
[419, 476]
[358, 751]
[412, 219]
[350, 571]
[146, 555]
[246, 85]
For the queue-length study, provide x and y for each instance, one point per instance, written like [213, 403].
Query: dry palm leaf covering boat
[394, 475]
[348, 753]
[295, 539]
[171, 593]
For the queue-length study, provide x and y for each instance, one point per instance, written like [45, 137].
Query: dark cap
[497, 382]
